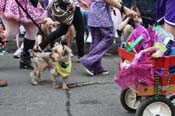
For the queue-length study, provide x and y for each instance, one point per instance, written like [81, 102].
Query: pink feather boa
[140, 71]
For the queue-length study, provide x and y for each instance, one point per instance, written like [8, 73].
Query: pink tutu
[11, 10]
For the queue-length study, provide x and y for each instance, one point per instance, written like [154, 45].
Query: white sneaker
[17, 53]
[89, 72]
[89, 38]
[105, 72]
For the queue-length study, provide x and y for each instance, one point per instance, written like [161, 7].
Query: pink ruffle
[11, 10]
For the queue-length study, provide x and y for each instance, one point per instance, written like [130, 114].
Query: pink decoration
[140, 71]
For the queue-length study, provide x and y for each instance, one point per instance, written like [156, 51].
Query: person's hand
[49, 21]
[84, 5]
[73, 6]
[137, 19]
[55, 24]
[129, 12]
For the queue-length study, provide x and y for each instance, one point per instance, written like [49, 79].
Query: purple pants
[102, 40]
[165, 9]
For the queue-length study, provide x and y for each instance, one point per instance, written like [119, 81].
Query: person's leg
[128, 29]
[70, 36]
[84, 60]
[104, 38]
[17, 53]
[96, 39]
[11, 28]
[85, 18]
[170, 29]
[54, 35]
[17, 41]
[169, 19]
[108, 38]
[28, 43]
[38, 40]
[79, 27]
[42, 35]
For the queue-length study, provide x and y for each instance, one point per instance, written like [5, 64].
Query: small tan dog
[58, 61]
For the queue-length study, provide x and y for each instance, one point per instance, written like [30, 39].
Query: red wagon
[151, 100]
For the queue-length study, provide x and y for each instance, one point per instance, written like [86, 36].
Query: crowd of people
[91, 17]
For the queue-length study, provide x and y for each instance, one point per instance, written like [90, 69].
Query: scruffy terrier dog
[58, 61]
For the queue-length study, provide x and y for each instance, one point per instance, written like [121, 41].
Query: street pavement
[20, 98]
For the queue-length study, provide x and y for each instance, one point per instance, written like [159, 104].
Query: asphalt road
[20, 98]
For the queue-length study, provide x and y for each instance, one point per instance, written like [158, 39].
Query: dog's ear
[57, 43]
[60, 43]
[67, 49]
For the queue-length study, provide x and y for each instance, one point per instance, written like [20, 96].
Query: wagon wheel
[129, 100]
[172, 99]
[155, 107]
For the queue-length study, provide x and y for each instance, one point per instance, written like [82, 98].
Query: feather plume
[141, 71]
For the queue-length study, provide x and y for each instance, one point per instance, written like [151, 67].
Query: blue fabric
[147, 9]
[46, 2]
[172, 53]
[127, 3]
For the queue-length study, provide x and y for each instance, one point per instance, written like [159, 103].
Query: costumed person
[46, 28]
[70, 36]
[63, 28]
[102, 30]
[165, 14]
[71, 31]
[13, 16]
[127, 26]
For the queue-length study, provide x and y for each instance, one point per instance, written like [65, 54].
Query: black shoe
[25, 61]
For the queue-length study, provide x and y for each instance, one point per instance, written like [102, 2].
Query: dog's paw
[42, 80]
[34, 83]
[55, 85]
[65, 87]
